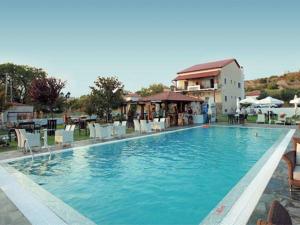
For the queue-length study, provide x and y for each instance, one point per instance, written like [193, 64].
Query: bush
[272, 86]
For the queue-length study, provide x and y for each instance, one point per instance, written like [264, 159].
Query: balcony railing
[194, 88]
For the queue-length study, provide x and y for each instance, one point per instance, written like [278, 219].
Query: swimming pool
[172, 178]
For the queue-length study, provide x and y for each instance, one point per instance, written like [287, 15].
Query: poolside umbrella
[248, 101]
[295, 101]
[270, 101]
[238, 105]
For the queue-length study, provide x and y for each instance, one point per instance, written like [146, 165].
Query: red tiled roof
[170, 96]
[209, 66]
[198, 75]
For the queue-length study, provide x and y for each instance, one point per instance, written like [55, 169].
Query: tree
[46, 92]
[20, 77]
[107, 94]
[152, 89]
[3, 104]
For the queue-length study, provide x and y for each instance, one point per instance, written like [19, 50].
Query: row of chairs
[144, 126]
[116, 129]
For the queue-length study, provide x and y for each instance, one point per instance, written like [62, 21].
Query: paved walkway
[278, 189]
[9, 214]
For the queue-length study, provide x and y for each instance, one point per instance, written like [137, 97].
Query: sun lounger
[280, 120]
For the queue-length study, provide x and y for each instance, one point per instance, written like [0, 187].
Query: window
[224, 80]
[231, 81]
[225, 110]
[197, 83]
[239, 85]
[231, 97]
[212, 82]
[225, 98]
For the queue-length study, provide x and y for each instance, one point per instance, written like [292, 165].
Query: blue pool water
[173, 178]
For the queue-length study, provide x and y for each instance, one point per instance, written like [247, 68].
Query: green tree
[272, 86]
[107, 94]
[46, 92]
[152, 89]
[21, 77]
[3, 104]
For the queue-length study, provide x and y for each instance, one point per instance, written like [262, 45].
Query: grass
[224, 118]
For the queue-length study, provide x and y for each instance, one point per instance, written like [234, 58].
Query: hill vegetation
[283, 87]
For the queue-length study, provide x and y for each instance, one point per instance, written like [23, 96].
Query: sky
[144, 42]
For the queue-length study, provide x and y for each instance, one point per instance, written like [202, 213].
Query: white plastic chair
[261, 118]
[120, 131]
[65, 136]
[92, 130]
[110, 131]
[159, 125]
[145, 127]
[29, 140]
[124, 123]
[137, 126]
[101, 132]
[117, 123]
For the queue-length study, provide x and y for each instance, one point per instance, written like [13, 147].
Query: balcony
[194, 88]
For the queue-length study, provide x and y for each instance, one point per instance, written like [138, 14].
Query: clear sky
[143, 42]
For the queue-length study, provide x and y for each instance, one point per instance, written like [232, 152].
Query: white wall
[233, 75]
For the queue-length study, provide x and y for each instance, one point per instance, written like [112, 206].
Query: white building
[222, 81]
[16, 112]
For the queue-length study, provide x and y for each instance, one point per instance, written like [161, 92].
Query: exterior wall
[233, 75]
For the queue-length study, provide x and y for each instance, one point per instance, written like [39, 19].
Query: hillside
[289, 80]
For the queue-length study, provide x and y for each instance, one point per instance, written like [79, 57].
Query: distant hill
[289, 80]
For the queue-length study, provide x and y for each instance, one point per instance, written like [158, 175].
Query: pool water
[173, 178]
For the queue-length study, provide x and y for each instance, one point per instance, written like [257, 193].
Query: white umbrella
[238, 105]
[295, 101]
[249, 101]
[270, 101]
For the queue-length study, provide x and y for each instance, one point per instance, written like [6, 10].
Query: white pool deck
[41, 207]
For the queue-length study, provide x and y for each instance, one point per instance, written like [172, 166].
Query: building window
[197, 83]
[224, 80]
[239, 85]
[231, 81]
[225, 110]
[225, 98]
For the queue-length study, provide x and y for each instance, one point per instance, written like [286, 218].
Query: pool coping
[247, 192]
[23, 198]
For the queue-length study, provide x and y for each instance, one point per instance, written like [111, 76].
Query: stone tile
[9, 213]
